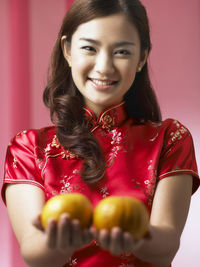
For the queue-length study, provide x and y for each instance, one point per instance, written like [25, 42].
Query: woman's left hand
[119, 242]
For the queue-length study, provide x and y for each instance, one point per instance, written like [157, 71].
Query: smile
[103, 82]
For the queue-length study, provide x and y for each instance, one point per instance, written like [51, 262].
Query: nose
[104, 64]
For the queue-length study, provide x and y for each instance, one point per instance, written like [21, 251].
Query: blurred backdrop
[28, 30]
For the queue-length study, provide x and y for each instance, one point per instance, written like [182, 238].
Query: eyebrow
[116, 44]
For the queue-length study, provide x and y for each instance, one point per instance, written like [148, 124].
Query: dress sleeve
[178, 156]
[20, 163]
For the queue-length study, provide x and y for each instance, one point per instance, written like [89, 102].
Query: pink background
[28, 29]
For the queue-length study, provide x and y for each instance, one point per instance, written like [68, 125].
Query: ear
[66, 48]
[143, 60]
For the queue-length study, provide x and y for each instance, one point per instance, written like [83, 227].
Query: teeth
[98, 82]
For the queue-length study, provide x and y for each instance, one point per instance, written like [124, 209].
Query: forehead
[113, 27]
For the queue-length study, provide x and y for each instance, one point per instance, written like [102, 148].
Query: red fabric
[137, 157]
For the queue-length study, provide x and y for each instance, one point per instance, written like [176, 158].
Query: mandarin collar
[109, 118]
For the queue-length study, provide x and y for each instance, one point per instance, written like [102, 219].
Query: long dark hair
[66, 103]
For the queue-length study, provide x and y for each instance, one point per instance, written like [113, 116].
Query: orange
[77, 205]
[128, 213]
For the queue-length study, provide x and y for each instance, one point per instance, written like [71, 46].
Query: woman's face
[105, 55]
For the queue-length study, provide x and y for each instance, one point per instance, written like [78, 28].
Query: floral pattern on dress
[39, 157]
[65, 154]
[104, 191]
[53, 149]
[72, 262]
[178, 134]
[128, 259]
[67, 186]
[40, 163]
[107, 122]
[147, 185]
[15, 161]
[117, 144]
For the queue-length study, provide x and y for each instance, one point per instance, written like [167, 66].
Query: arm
[52, 247]
[169, 213]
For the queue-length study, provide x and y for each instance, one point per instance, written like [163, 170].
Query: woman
[108, 139]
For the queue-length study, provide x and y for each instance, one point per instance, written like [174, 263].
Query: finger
[77, 237]
[127, 242]
[116, 241]
[94, 233]
[104, 239]
[87, 236]
[51, 232]
[64, 229]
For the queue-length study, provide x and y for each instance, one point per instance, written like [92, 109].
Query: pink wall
[175, 65]
[46, 17]
[5, 244]
[26, 41]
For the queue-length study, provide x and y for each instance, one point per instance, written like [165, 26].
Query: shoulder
[173, 124]
[174, 130]
[169, 131]
[34, 137]
[170, 128]
[167, 124]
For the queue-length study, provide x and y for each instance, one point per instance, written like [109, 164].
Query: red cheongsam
[138, 156]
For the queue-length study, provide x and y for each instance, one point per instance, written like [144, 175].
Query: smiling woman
[86, 64]
[108, 140]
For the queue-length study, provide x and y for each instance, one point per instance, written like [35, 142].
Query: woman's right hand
[51, 247]
[65, 235]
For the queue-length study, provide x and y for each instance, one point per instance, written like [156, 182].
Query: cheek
[129, 73]
[80, 67]
[78, 71]
[77, 63]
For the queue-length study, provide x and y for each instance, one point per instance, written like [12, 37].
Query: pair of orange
[126, 212]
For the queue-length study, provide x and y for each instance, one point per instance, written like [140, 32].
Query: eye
[88, 48]
[123, 52]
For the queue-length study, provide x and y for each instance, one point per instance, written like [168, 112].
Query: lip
[102, 84]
